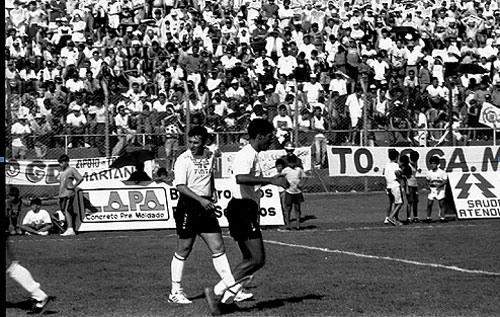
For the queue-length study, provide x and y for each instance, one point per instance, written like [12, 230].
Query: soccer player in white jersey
[243, 210]
[437, 179]
[195, 214]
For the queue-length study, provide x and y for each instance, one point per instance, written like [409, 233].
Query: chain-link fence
[85, 125]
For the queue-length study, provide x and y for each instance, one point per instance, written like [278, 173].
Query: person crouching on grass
[195, 216]
[37, 221]
[393, 174]
[293, 193]
[437, 179]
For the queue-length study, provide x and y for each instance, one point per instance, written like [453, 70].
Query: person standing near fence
[69, 179]
[437, 179]
[243, 209]
[393, 174]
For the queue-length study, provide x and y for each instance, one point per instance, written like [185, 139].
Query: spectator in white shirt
[19, 130]
[312, 89]
[125, 134]
[76, 124]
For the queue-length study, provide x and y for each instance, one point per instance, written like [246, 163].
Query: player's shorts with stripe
[293, 198]
[191, 219]
[395, 195]
[243, 218]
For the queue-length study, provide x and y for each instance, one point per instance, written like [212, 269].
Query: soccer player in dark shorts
[195, 215]
[23, 277]
[243, 209]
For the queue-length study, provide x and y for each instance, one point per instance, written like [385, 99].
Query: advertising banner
[267, 160]
[490, 116]
[370, 161]
[476, 195]
[46, 172]
[117, 205]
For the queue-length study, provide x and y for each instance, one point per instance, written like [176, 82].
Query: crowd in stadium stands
[345, 65]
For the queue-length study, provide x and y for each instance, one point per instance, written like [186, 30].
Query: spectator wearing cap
[76, 124]
[19, 131]
[313, 89]
[235, 91]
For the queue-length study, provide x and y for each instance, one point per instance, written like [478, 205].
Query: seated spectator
[37, 221]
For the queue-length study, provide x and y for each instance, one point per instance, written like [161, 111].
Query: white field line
[388, 227]
[387, 258]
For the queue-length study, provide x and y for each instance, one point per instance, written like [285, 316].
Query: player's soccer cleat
[40, 306]
[443, 219]
[43, 233]
[386, 221]
[415, 220]
[179, 298]
[243, 296]
[213, 301]
[68, 232]
[394, 222]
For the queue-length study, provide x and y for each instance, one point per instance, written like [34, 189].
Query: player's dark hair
[36, 201]
[393, 154]
[280, 162]
[259, 126]
[161, 171]
[63, 158]
[414, 156]
[199, 131]
[14, 191]
[434, 159]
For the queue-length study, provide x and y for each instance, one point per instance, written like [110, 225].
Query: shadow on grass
[279, 302]
[304, 219]
[27, 305]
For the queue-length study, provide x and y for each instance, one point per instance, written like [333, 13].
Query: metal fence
[146, 129]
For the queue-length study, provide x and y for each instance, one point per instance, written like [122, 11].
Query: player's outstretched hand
[280, 180]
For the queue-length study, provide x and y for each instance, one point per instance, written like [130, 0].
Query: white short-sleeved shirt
[293, 176]
[390, 174]
[246, 162]
[195, 173]
[438, 175]
[75, 121]
[40, 217]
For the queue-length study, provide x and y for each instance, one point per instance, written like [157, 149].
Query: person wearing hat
[235, 92]
[76, 124]
[69, 179]
[313, 89]
[19, 131]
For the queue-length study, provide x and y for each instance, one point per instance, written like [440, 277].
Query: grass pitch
[346, 263]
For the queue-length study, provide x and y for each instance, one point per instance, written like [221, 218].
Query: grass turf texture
[128, 273]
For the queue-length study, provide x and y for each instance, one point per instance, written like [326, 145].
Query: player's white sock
[221, 265]
[176, 269]
[21, 275]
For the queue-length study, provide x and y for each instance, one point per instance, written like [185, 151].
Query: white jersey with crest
[246, 162]
[195, 173]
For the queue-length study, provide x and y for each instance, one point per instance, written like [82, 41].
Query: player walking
[243, 209]
[195, 214]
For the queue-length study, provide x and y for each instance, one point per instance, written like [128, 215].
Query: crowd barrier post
[296, 116]
[106, 125]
